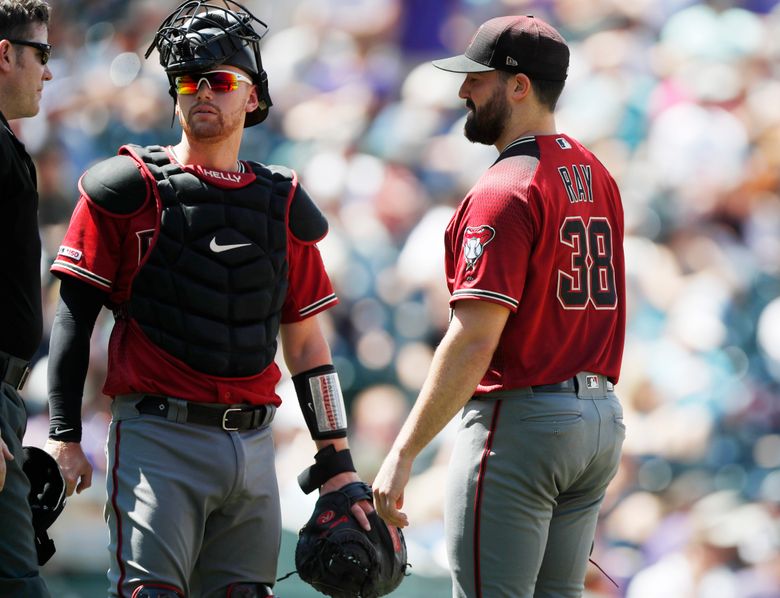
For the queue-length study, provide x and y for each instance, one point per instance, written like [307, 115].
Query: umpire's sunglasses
[44, 49]
[222, 81]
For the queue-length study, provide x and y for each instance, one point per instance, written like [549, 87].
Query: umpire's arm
[304, 348]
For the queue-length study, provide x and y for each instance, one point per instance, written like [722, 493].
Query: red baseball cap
[518, 44]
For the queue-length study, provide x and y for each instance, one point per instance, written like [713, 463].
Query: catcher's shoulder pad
[307, 222]
[116, 185]
[275, 172]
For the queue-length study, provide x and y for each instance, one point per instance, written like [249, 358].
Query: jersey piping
[484, 294]
[330, 299]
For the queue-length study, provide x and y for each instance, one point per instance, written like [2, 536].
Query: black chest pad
[212, 288]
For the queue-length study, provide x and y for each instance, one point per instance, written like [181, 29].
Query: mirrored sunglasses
[222, 81]
[44, 49]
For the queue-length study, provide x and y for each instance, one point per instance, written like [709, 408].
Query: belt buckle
[224, 419]
[23, 378]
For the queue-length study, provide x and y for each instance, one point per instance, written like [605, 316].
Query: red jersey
[541, 233]
[105, 250]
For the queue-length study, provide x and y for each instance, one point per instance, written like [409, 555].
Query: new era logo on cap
[518, 44]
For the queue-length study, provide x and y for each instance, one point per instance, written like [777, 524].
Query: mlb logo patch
[591, 382]
[73, 254]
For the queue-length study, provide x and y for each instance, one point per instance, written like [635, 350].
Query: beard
[212, 129]
[486, 124]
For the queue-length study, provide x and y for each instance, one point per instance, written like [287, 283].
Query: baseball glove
[339, 558]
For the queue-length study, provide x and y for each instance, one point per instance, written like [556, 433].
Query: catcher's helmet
[199, 36]
[46, 498]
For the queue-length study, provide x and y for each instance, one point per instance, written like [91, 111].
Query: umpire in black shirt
[24, 52]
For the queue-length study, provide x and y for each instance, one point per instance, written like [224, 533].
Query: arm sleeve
[77, 311]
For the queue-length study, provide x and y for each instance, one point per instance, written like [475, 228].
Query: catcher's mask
[46, 498]
[199, 36]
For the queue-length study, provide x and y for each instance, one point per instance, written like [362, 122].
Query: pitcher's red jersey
[542, 234]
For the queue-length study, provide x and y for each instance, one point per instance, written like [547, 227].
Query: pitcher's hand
[389, 487]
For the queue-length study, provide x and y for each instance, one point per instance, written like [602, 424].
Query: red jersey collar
[219, 178]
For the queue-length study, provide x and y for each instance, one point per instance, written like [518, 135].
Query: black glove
[341, 559]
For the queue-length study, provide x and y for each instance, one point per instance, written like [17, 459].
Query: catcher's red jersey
[105, 249]
[542, 234]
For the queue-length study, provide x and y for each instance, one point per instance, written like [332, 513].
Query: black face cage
[230, 30]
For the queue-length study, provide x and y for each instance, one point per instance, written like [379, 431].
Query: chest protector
[211, 287]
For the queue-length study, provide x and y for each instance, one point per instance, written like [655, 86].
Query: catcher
[204, 260]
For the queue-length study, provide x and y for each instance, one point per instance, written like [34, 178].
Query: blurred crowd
[680, 99]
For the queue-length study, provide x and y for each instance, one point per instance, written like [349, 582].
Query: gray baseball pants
[527, 477]
[190, 507]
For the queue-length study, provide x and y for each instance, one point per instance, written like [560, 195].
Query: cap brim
[461, 64]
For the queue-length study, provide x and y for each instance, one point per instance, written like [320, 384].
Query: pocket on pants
[554, 417]
[557, 423]
[617, 415]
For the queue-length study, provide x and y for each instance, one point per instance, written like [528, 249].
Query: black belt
[573, 384]
[569, 385]
[14, 371]
[230, 418]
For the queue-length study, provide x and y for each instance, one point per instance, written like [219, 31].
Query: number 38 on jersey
[589, 279]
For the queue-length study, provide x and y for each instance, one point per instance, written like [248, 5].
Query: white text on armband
[328, 402]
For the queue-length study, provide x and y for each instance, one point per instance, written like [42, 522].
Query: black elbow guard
[319, 393]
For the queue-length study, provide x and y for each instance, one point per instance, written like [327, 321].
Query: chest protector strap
[211, 287]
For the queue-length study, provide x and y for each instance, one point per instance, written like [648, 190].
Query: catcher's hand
[339, 558]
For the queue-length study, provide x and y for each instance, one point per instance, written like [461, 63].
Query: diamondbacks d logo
[474, 241]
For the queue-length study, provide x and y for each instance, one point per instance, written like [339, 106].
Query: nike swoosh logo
[216, 248]
[59, 430]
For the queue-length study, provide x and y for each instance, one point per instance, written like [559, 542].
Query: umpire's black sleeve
[77, 312]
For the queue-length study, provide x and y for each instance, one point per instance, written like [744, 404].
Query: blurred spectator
[377, 414]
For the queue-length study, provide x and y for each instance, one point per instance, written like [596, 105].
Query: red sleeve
[310, 290]
[491, 239]
[104, 249]
[90, 250]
